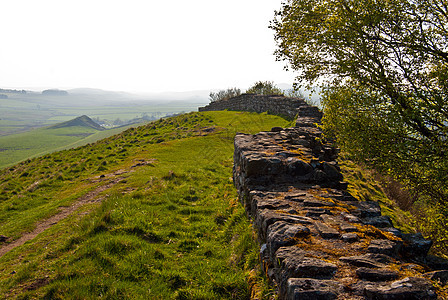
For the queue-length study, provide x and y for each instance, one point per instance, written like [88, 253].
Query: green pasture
[170, 228]
[21, 112]
[37, 142]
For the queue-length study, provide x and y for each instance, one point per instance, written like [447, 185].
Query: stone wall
[278, 105]
[318, 241]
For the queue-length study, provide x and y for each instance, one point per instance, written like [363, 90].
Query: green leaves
[384, 68]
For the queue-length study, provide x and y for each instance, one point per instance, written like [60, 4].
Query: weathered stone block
[317, 203]
[312, 289]
[367, 209]
[257, 166]
[332, 172]
[325, 231]
[410, 288]
[383, 246]
[380, 222]
[367, 260]
[415, 245]
[350, 237]
[376, 274]
[265, 218]
[282, 234]
[298, 167]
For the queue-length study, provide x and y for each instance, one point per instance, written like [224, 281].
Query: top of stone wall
[274, 104]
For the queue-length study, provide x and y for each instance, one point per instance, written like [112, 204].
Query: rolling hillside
[73, 133]
[150, 213]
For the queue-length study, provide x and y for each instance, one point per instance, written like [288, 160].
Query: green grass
[409, 214]
[364, 185]
[21, 112]
[18, 147]
[171, 229]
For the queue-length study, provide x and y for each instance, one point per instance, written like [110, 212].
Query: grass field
[37, 142]
[24, 118]
[162, 220]
[22, 112]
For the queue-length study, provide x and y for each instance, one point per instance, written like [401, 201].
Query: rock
[415, 245]
[284, 252]
[316, 212]
[351, 218]
[267, 217]
[297, 167]
[325, 231]
[367, 260]
[312, 289]
[259, 203]
[409, 288]
[317, 203]
[350, 237]
[3, 238]
[379, 222]
[376, 274]
[329, 219]
[348, 227]
[319, 176]
[331, 171]
[257, 166]
[367, 209]
[387, 247]
[282, 234]
[343, 185]
[298, 197]
[394, 231]
[287, 154]
[295, 263]
[276, 129]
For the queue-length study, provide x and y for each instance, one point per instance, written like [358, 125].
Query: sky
[138, 45]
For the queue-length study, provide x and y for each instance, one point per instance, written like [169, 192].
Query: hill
[150, 213]
[54, 92]
[82, 121]
[74, 133]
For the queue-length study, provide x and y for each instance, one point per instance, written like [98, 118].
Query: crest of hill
[82, 121]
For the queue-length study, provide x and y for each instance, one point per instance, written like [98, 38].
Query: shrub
[223, 95]
[264, 88]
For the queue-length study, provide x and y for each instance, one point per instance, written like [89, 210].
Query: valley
[33, 124]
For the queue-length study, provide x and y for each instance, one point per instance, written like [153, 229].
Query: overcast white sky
[138, 45]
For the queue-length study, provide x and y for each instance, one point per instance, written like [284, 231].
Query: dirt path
[65, 211]
[90, 197]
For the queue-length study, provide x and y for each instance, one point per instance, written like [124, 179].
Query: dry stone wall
[318, 241]
[278, 105]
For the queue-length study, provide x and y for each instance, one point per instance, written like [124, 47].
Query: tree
[264, 88]
[223, 95]
[384, 69]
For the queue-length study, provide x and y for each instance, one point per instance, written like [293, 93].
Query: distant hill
[82, 121]
[55, 93]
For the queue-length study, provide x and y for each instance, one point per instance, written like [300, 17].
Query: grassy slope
[23, 112]
[17, 147]
[407, 215]
[170, 229]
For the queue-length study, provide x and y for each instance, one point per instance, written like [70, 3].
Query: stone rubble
[319, 242]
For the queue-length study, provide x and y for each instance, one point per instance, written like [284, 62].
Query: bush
[223, 95]
[264, 88]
